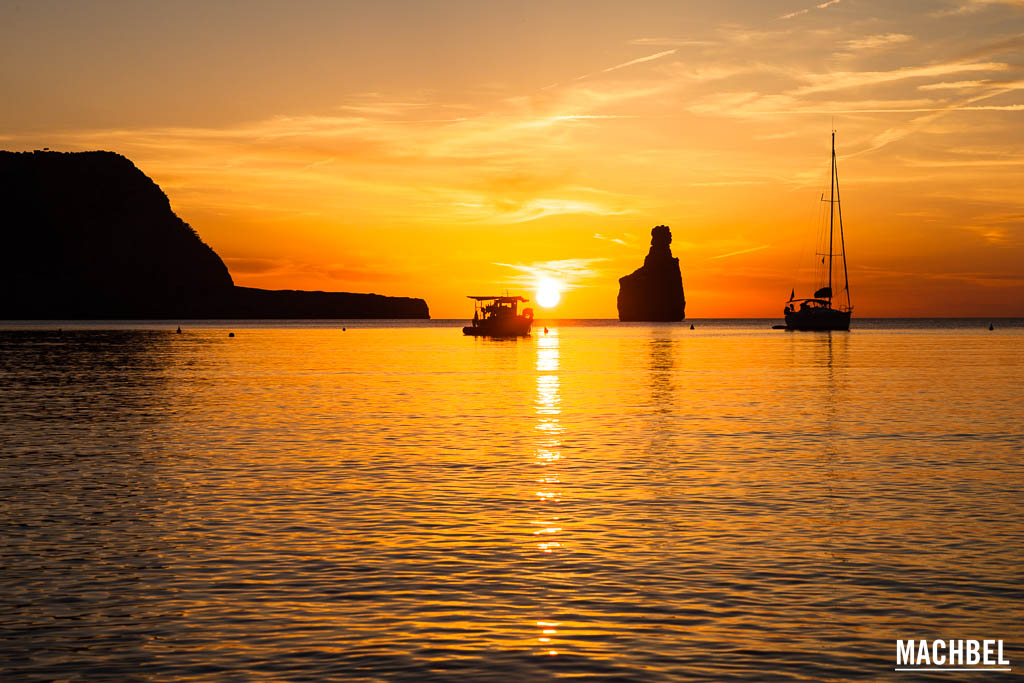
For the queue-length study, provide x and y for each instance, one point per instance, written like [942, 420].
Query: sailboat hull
[818, 319]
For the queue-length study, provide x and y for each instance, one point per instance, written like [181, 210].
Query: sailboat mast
[842, 243]
[831, 212]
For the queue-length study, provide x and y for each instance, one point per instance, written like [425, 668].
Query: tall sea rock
[89, 235]
[654, 292]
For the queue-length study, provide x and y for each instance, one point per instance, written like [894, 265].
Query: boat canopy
[499, 299]
[815, 301]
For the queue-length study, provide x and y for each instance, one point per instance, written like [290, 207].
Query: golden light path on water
[548, 455]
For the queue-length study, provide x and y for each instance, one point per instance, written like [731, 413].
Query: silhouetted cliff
[654, 292]
[88, 235]
[289, 303]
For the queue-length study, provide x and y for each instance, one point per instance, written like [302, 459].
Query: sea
[391, 500]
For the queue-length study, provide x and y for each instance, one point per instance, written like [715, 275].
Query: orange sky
[439, 149]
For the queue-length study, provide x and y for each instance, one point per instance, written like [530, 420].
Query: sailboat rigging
[817, 312]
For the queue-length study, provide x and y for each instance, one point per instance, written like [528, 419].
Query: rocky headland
[87, 235]
[654, 292]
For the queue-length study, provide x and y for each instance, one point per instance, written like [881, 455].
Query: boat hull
[818, 319]
[519, 327]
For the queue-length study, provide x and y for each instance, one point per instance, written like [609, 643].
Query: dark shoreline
[214, 322]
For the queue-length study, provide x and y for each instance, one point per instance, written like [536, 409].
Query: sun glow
[548, 293]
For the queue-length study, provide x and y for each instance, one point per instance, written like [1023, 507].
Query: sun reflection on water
[548, 455]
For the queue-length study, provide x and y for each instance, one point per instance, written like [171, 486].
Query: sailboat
[818, 313]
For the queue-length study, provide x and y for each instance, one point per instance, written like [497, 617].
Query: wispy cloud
[880, 40]
[972, 6]
[568, 273]
[742, 251]
[899, 132]
[641, 60]
[972, 85]
[616, 240]
[996, 47]
[797, 13]
[840, 80]
[534, 209]
[800, 12]
[953, 85]
[991, 234]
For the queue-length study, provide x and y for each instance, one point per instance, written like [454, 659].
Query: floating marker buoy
[343, 329]
[231, 334]
[179, 330]
[545, 330]
[991, 327]
[691, 326]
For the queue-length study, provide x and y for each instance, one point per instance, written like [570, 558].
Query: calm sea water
[396, 501]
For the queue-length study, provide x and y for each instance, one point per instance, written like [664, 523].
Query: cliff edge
[89, 235]
[654, 292]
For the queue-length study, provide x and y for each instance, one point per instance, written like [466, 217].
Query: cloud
[616, 240]
[972, 6]
[570, 273]
[953, 85]
[994, 48]
[800, 12]
[896, 133]
[777, 136]
[632, 62]
[1004, 86]
[819, 111]
[795, 14]
[742, 251]
[990, 234]
[641, 60]
[841, 80]
[532, 209]
[877, 41]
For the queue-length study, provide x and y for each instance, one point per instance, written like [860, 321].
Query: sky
[442, 149]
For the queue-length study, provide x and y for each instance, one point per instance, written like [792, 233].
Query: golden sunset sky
[440, 149]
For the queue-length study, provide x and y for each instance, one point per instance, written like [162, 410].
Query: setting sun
[548, 294]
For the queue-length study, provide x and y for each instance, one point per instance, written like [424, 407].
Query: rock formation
[88, 235]
[654, 292]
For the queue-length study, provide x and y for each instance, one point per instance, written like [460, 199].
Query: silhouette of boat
[498, 316]
[817, 313]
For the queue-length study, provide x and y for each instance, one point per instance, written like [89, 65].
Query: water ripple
[615, 502]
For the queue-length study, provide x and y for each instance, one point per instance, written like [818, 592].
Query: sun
[548, 293]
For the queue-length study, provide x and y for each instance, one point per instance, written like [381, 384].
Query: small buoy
[991, 327]
[545, 330]
[343, 329]
[231, 334]
[179, 330]
[60, 330]
[691, 326]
